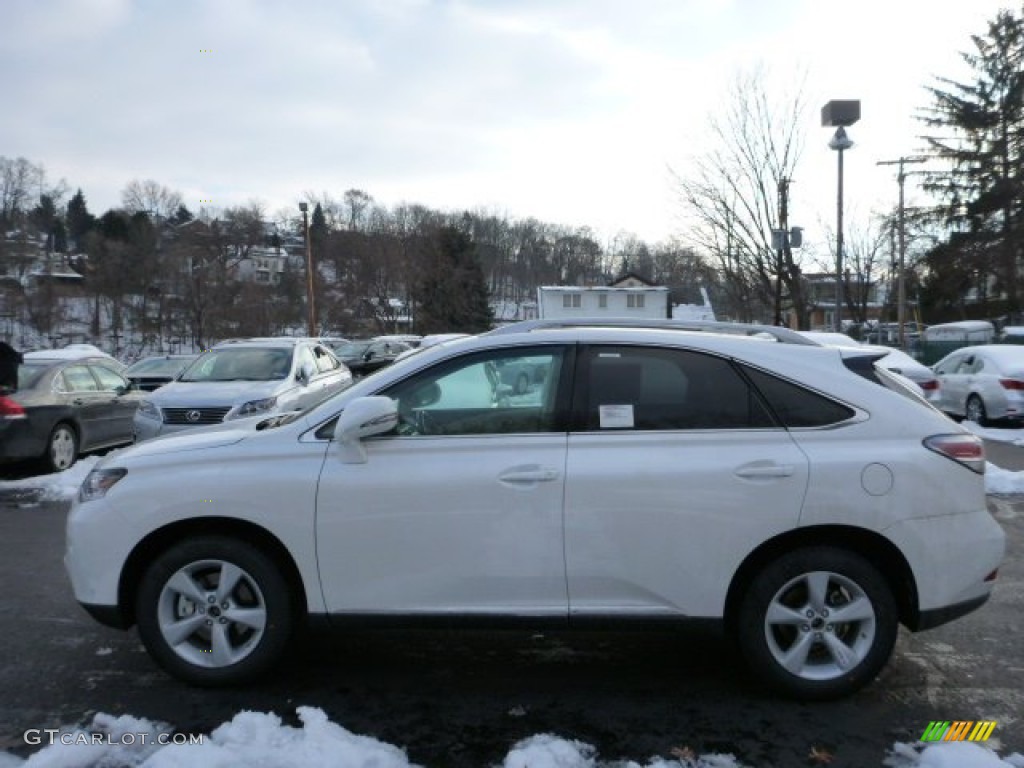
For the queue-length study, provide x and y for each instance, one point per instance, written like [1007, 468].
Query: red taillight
[963, 449]
[1011, 384]
[929, 386]
[10, 409]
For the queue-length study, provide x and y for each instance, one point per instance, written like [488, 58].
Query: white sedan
[983, 383]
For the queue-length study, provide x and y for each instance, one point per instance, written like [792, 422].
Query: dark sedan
[366, 357]
[64, 407]
[153, 372]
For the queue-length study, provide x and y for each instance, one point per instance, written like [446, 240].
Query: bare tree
[733, 196]
[22, 185]
[150, 197]
[867, 259]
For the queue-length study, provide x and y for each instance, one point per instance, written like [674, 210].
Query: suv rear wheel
[214, 611]
[818, 623]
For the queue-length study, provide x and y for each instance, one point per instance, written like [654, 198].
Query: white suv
[810, 502]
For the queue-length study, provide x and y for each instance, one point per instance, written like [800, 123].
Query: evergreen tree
[48, 223]
[79, 220]
[981, 142]
[181, 216]
[318, 231]
[451, 294]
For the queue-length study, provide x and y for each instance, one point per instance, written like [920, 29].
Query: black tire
[240, 651]
[786, 589]
[61, 448]
[975, 411]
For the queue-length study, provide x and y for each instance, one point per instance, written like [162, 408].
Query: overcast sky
[571, 111]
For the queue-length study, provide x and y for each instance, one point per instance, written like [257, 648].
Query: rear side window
[78, 379]
[653, 388]
[796, 406]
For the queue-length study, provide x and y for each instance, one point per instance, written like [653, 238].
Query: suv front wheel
[818, 623]
[214, 611]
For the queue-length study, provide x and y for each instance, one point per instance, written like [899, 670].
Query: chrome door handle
[522, 475]
[772, 470]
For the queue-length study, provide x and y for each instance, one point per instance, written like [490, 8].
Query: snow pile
[999, 480]
[59, 485]
[951, 754]
[260, 739]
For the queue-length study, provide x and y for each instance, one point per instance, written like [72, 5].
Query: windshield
[240, 364]
[353, 349]
[159, 366]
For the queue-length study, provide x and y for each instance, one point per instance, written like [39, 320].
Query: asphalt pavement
[459, 699]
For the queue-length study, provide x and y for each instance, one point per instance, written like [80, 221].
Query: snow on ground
[261, 739]
[1012, 435]
[54, 487]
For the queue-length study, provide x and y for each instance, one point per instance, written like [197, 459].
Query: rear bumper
[936, 617]
[108, 615]
[19, 440]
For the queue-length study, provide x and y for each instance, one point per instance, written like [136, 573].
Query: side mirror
[306, 372]
[123, 388]
[363, 417]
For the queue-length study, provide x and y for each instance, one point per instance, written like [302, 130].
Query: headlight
[255, 406]
[149, 410]
[98, 482]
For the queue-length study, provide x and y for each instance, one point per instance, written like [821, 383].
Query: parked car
[75, 352]
[900, 362]
[429, 341]
[983, 383]
[153, 372]
[242, 377]
[831, 338]
[895, 360]
[651, 475]
[405, 338]
[366, 357]
[66, 404]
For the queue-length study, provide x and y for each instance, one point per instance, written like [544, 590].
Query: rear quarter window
[796, 406]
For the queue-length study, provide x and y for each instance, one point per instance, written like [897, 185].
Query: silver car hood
[185, 394]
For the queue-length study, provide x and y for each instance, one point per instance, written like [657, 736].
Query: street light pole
[310, 300]
[838, 114]
[901, 280]
[840, 143]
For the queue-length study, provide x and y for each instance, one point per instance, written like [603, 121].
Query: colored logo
[958, 730]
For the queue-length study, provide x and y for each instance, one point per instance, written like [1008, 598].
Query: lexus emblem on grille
[193, 415]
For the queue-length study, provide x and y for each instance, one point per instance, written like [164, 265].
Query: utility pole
[784, 226]
[310, 295]
[901, 297]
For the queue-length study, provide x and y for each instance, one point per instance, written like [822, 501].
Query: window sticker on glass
[616, 416]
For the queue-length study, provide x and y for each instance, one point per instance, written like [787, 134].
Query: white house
[628, 297]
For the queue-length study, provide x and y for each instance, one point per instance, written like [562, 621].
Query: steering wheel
[413, 423]
[426, 424]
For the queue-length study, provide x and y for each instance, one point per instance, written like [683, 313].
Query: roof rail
[780, 334]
